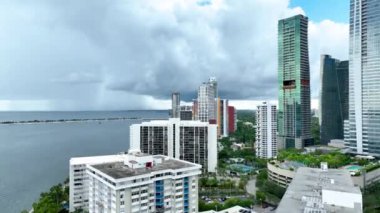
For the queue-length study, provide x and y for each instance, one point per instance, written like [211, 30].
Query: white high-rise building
[207, 98]
[79, 190]
[136, 182]
[362, 127]
[193, 141]
[266, 140]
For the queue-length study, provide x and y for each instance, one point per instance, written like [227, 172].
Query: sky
[121, 55]
[319, 10]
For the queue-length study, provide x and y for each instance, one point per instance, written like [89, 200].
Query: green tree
[263, 175]
[52, 201]
[203, 182]
[212, 182]
[260, 196]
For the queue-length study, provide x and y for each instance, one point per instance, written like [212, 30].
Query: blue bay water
[33, 157]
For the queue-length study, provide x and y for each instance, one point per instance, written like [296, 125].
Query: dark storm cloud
[117, 54]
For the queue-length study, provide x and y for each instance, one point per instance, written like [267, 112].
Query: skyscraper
[294, 118]
[214, 85]
[175, 105]
[266, 141]
[207, 101]
[362, 129]
[333, 99]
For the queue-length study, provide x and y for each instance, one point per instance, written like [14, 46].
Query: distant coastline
[72, 120]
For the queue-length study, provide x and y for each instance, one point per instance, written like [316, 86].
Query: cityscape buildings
[207, 108]
[333, 99]
[207, 94]
[176, 99]
[134, 182]
[362, 129]
[294, 118]
[266, 129]
[321, 190]
[193, 141]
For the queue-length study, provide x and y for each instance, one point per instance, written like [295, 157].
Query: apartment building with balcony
[192, 141]
[137, 182]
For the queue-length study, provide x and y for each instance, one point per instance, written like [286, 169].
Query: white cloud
[326, 37]
[117, 54]
[19, 105]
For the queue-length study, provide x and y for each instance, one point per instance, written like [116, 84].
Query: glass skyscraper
[294, 118]
[333, 99]
[362, 129]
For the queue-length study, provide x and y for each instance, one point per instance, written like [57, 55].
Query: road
[251, 186]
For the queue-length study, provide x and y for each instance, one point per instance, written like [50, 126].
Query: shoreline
[74, 120]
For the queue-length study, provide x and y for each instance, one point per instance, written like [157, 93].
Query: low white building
[193, 141]
[79, 190]
[237, 146]
[337, 143]
[321, 190]
[136, 182]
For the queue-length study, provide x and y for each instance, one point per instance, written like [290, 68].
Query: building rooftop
[118, 170]
[96, 159]
[289, 165]
[304, 194]
[172, 120]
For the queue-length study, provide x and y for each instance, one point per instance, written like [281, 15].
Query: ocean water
[33, 157]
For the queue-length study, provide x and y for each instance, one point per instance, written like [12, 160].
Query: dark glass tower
[294, 118]
[362, 129]
[333, 99]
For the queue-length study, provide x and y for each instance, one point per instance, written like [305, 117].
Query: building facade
[186, 113]
[279, 175]
[136, 182]
[294, 117]
[79, 188]
[362, 130]
[266, 129]
[222, 117]
[176, 99]
[232, 119]
[207, 108]
[333, 98]
[193, 141]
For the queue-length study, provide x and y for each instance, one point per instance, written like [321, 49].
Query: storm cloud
[119, 54]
